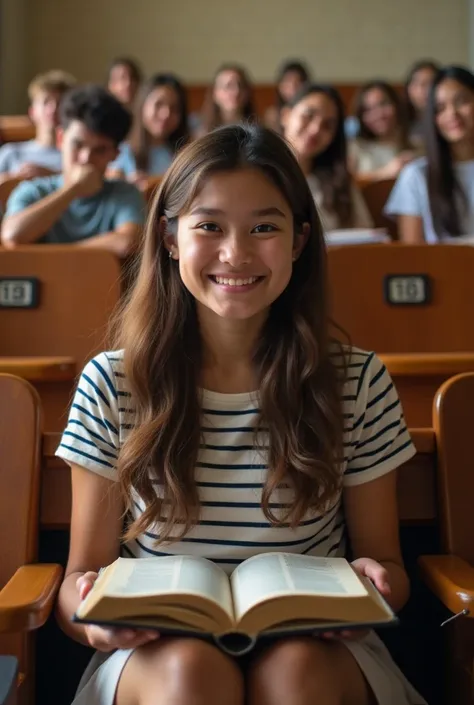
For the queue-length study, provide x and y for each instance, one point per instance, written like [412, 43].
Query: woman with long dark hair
[124, 79]
[417, 88]
[160, 129]
[433, 198]
[226, 423]
[382, 146]
[313, 123]
[228, 101]
[292, 76]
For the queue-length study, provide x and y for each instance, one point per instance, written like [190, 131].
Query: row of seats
[374, 288]
[35, 495]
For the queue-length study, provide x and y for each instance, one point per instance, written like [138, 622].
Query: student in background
[417, 88]
[382, 146]
[124, 80]
[313, 123]
[224, 422]
[292, 76]
[228, 101]
[40, 156]
[433, 198]
[160, 128]
[79, 207]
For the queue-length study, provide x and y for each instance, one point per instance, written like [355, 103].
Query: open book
[269, 595]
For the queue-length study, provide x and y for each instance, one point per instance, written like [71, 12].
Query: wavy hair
[448, 201]
[211, 113]
[397, 102]
[299, 381]
[330, 167]
[140, 139]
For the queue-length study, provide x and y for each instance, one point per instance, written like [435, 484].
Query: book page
[273, 574]
[170, 575]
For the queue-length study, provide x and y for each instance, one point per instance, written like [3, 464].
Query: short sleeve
[130, 206]
[91, 438]
[24, 195]
[6, 159]
[379, 441]
[125, 161]
[406, 197]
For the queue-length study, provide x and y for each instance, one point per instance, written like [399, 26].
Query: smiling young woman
[228, 423]
[433, 198]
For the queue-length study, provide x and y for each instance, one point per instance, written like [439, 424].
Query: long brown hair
[211, 113]
[299, 383]
[330, 167]
[400, 111]
[448, 200]
[140, 139]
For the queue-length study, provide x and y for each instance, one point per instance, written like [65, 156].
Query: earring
[170, 254]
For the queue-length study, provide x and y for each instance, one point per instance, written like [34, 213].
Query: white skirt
[99, 682]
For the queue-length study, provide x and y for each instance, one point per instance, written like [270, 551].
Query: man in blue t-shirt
[79, 206]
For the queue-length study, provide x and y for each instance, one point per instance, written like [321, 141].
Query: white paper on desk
[356, 236]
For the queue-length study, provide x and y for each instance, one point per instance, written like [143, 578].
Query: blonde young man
[40, 156]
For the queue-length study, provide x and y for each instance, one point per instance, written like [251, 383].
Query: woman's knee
[180, 670]
[304, 671]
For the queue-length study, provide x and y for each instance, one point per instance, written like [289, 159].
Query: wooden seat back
[356, 277]
[20, 462]
[16, 128]
[78, 289]
[421, 345]
[453, 419]
[376, 194]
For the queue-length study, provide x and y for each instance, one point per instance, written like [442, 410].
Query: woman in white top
[382, 147]
[313, 123]
[228, 424]
[433, 198]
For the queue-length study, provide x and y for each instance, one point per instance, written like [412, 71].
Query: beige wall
[14, 55]
[346, 40]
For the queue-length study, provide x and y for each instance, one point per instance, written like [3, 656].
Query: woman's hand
[109, 639]
[368, 568]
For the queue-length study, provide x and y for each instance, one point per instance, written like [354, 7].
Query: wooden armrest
[416, 364]
[27, 599]
[8, 679]
[39, 369]
[451, 579]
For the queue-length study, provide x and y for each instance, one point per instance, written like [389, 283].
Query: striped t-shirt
[231, 465]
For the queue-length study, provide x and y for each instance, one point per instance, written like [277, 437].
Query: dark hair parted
[446, 196]
[98, 110]
[400, 112]
[130, 64]
[330, 167]
[290, 66]
[422, 65]
[211, 113]
[140, 139]
[299, 382]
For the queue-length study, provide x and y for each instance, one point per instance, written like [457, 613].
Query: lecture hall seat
[375, 194]
[422, 344]
[50, 342]
[27, 588]
[450, 576]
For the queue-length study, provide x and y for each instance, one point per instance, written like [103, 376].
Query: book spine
[235, 643]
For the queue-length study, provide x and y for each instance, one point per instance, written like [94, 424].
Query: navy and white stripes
[231, 466]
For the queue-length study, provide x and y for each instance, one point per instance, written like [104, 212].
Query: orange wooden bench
[421, 344]
[73, 293]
